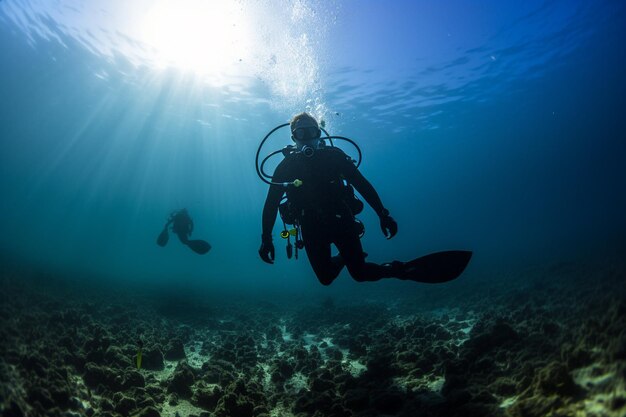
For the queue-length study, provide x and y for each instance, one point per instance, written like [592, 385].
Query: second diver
[181, 225]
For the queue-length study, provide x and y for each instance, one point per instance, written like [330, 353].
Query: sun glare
[209, 37]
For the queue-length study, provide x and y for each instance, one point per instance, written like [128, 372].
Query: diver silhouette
[181, 225]
[319, 182]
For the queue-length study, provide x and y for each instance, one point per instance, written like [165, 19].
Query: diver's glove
[387, 224]
[266, 251]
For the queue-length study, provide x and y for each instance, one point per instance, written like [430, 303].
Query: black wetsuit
[323, 213]
[182, 225]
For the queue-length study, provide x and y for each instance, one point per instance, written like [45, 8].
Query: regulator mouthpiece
[307, 151]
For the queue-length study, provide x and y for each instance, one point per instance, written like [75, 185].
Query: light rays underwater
[493, 127]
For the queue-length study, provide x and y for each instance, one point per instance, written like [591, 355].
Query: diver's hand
[266, 251]
[388, 225]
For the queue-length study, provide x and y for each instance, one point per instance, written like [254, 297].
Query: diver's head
[306, 133]
[182, 214]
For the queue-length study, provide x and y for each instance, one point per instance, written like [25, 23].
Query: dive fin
[163, 237]
[199, 246]
[437, 267]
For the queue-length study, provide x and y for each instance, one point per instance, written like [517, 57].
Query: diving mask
[307, 133]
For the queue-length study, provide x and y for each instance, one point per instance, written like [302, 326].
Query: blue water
[493, 126]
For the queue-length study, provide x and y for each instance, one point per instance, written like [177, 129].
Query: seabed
[547, 342]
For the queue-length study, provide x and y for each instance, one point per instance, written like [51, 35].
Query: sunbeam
[209, 38]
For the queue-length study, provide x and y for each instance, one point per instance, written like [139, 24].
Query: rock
[60, 395]
[617, 402]
[154, 389]
[408, 356]
[334, 353]
[148, 412]
[483, 397]
[181, 380]
[388, 402]
[75, 403]
[207, 398]
[321, 385]
[233, 405]
[97, 343]
[95, 375]
[281, 370]
[358, 349]
[458, 397]
[617, 347]
[555, 379]
[34, 364]
[504, 387]
[453, 383]
[337, 410]
[273, 333]
[356, 399]
[125, 405]
[536, 406]
[114, 356]
[13, 410]
[310, 403]
[146, 402]
[238, 387]
[175, 350]
[218, 372]
[497, 335]
[260, 411]
[381, 367]
[473, 409]
[133, 379]
[550, 328]
[152, 359]
[577, 357]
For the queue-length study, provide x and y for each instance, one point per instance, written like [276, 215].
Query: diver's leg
[317, 246]
[183, 238]
[349, 244]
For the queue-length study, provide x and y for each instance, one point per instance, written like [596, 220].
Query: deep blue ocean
[492, 126]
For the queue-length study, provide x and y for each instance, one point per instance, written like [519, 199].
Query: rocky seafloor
[550, 341]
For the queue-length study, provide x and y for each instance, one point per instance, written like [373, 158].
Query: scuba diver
[182, 225]
[319, 182]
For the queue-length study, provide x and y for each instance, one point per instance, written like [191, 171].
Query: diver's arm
[388, 225]
[272, 201]
[351, 173]
[270, 209]
[366, 189]
[267, 251]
